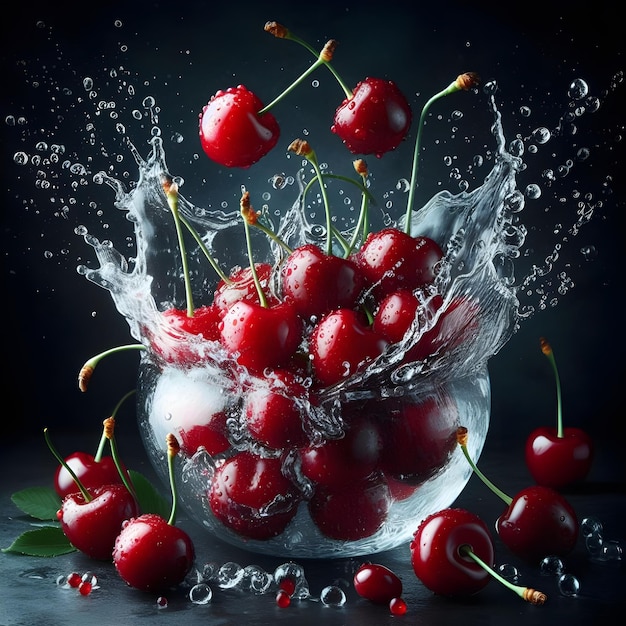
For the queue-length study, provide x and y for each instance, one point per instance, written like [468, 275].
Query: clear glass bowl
[371, 466]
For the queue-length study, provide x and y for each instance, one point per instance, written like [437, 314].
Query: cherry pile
[294, 330]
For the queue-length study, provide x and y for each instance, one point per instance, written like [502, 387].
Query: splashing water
[480, 231]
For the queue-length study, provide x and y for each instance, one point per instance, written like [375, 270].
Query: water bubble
[88, 83]
[541, 135]
[509, 572]
[589, 252]
[594, 544]
[177, 138]
[456, 115]
[590, 526]
[612, 550]
[21, 158]
[161, 602]
[403, 185]
[200, 593]
[532, 191]
[332, 596]
[569, 585]
[229, 575]
[257, 579]
[551, 566]
[525, 111]
[578, 89]
[516, 147]
[514, 202]
[490, 88]
[136, 114]
[582, 154]
[9, 120]
[291, 571]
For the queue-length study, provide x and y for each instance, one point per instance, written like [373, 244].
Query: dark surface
[182, 54]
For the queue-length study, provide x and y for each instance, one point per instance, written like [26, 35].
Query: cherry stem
[284, 33]
[251, 217]
[526, 593]
[461, 437]
[86, 371]
[103, 438]
[362, 225]
[465, 82]
[63, 462]
[173, 448]
[546, 348]
[171, 193]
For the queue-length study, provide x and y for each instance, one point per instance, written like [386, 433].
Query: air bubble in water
[21, 158]
[589, 252]
[532, 191]
[578, 89]
[541, 135]
[88, 83]
[525, 111]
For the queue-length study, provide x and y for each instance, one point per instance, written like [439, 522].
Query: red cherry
[261, 337]
[418, 438]
[241, 286]
[395, 315]
[171, 341]
[273, 415]
[351, 512]
[558, 457]
[375, 119]
[436, 557]
[392, 260]
[211, 436]
[93, 525]
[91, 473]
[377, 583]
[538, 522]
[341, 345]
[316, 283]
[152, 555]
[231, 131]
[250, 495]
[344, 461]
[558, 460]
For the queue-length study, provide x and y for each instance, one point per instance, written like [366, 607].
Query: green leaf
[45, 541]
[38, 502]
[149, 499]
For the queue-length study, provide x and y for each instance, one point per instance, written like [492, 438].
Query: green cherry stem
[461, 437]
[70, 471]
[526, 593]
[109, 428]
[301, 147]
[86, 371]
[250, 217]
[173, 448]
[546, 348]
[171, 194]
[362, 225]
[463, 82]
[281, 32]
[324, 56]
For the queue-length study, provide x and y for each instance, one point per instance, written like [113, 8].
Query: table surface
[29, 593]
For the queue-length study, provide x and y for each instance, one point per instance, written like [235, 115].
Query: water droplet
[161, 602]
[589, 252]
[551, 566]
[88, 83]
[200, 593]
[569, 585]
[397, 606]
[525, 111]
[590, 526]
[21, 158]
[532, 191]
[509, 572]
[578, 89]
[612, 550]
[332, 596]
[229, 575]
[541, 135]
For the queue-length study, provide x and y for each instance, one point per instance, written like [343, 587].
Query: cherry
[452, 552]
[91, 473]
[251, 496]
[210, 435]
[93, 523]
[232, 133]
[395, 315]
[317, 283]
[272, 413]
[344, 461]
[537, 522]
[437, 560]
[418, 437]
[241, 286]
[377, 583]
[341, 344]
[351, 512]
[374, 119]
[150, 552]
[391, 260]
[558, 457]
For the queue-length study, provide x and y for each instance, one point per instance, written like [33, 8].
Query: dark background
[181, 53]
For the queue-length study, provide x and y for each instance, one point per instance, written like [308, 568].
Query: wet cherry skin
[241, 286]
[377, 583]
[93, 526]
[436, 557]
[90, 472]
[538, 522]
[558, 462]
[152, 555]
[375, 119]
[231, 131]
